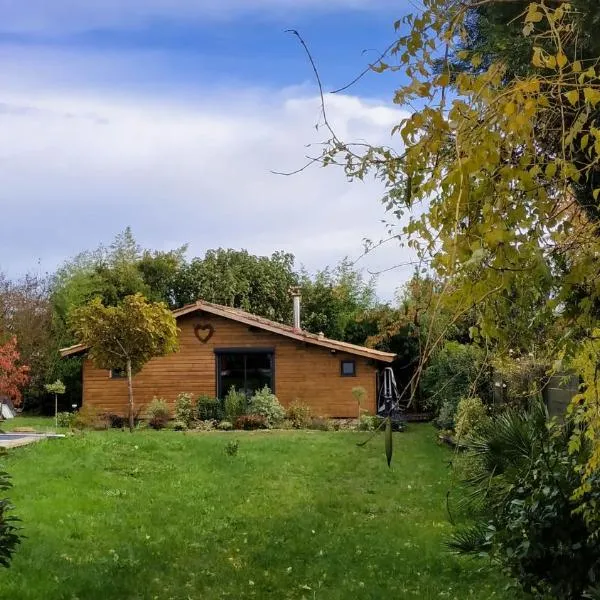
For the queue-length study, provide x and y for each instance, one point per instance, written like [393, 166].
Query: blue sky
[168, 116]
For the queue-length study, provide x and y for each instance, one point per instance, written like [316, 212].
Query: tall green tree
[335, 300]
[126, 336]
[258, 284]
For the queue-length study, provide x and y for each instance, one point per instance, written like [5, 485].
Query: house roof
[241, 316]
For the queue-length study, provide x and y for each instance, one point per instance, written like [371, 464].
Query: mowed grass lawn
[168, 515]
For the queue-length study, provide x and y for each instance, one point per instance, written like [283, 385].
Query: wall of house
[303, 372]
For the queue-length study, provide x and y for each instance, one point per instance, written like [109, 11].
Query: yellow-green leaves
[572, 96]
[591, 95]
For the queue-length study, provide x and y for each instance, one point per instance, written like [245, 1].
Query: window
[348, 368]
[245, 369]
[118, 374]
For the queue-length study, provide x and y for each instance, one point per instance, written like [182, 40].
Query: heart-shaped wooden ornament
[204, 332]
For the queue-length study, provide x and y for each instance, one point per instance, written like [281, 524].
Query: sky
[170, 116]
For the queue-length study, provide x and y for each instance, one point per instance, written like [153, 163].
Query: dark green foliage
[209, 408]
[9, 533]
[115, 421]
[250, 422]
[235, 404]
[522, 483]
[232, 447]
[334, 302]
[456, 370]
[258, 284]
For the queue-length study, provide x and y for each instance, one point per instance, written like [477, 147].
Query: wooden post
[130, 389]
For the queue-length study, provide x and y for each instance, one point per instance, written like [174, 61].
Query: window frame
[351, 361]
[117, 374]
[240, 350]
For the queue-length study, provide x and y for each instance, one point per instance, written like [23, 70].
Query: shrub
[369, 422]
[65, 419]
[179, 426]
[9, 533]
[158, 413]
[207, 425]
[115, 421]
[232, 447]
[225, 426]
[249, 422]
[320, 424]
[299, 415]
[184, 409]
[521, 487]
[89, 417]
[470, 414]
[235, 404]
[209, 408]
[445, 418]
[359, 394]
[266, 404]
[452, 374]
[521, 378]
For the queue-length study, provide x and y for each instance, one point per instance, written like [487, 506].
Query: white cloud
[77, 168]
[75, 15]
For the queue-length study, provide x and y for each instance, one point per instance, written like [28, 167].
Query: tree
[257, 284]
[335, 300]
[505, 170]
[13, 375]
[26, 313]
[126, 336]
[56, 388]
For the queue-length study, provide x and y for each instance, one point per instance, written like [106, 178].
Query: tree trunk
[55, 410]
[130, 390]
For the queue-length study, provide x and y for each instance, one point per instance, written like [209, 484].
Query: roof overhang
[266, 325]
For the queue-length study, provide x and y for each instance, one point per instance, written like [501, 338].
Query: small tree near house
[127, 336]
[57, 388]
[13, 375]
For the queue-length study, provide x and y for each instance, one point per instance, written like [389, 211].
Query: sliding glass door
[245, 369]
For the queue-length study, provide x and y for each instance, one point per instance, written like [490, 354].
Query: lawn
[167, 515]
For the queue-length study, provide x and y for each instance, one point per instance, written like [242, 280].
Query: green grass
[166, 515]
[41, 424]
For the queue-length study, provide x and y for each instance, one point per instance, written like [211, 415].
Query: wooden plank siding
[303, 372]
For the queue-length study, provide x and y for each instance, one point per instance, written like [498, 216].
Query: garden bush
[65, 419]
[250, 422]
[299, 415]
[184, 409]
[225, 426]
[445, 418]
[209, 408]
[232, 447]
[320, 424]
[522, 378]
[470, 414]
[179, 426]
[89, 417]
[235, 404]
[115, 421]
[158, 413]
[521, 486]
[369, 422]
[265, 403]
[455, 371]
